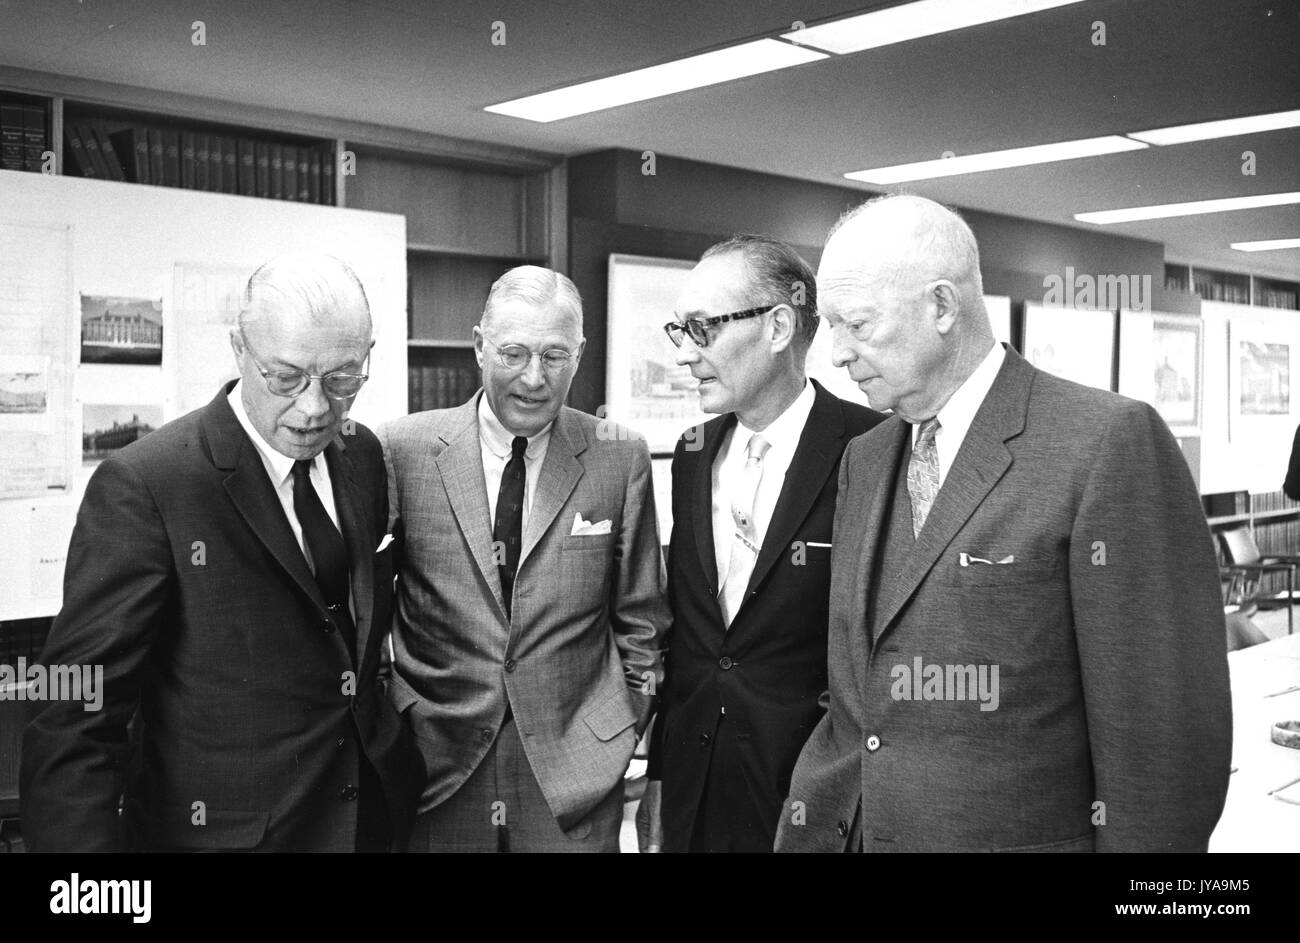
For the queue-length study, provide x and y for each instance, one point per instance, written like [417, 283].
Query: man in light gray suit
[530, 593]
[1026, 645]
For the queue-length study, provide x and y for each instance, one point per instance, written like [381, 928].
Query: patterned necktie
[744, 540]
[327, 555]
[923, 474]
[507, 530]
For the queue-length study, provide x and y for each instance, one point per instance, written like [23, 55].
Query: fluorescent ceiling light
[709, 68]
[997, 160]
[1266, 245]
[1229, 127]
[1194, 208]
[912, 21]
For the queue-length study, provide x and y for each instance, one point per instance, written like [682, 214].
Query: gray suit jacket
[575, 662]
[1113, 726]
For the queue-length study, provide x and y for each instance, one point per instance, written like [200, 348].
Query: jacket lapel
[715, 433]
[460, 466]
[357, 535]
[251, 492]
[872, 518]
[981, 463]
[556, 480]
[815, 457]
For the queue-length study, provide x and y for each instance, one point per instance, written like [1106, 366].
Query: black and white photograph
[121, 330]
[651, 427]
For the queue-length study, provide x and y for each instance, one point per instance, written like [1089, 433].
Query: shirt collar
[278, 465]
[497, 437]
[783, 433]
[958, 413]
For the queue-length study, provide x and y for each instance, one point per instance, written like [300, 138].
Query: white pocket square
[968, 559]
[583, 528]
[388, 539]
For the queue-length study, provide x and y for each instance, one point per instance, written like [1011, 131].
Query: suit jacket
[769, 668]
[185, 582]
[1112, 729]
[1291, 486]
[579, 659]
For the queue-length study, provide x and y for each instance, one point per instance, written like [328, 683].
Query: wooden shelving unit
[1234, 287]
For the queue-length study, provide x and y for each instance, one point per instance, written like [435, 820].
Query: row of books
[1277, 298]
[440, 387]
[1271, 501]
[1212, 289]
[196, 161]
[24, 135]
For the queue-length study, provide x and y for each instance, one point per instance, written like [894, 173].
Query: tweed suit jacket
[1112, 729]
[578, 659]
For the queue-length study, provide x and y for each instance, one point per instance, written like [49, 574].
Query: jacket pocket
[611, 716]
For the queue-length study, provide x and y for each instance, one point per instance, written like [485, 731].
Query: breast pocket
[1024, 569]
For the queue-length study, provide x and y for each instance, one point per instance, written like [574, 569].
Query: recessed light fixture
[679, 75]
[1195, 208]
[997, 160]
[1267, 245]
[1227, 128]
[912, 21]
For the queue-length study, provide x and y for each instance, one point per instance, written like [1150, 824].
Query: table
[1252, 820]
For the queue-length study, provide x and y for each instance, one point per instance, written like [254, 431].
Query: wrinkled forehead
[515, 321]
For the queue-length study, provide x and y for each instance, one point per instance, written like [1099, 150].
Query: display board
[133, 287]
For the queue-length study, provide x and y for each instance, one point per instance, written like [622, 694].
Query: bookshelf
[473, 209]
[1234, 287]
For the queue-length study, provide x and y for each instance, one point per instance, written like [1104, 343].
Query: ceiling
[430, 65]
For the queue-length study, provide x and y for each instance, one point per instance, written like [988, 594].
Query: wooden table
[1252, 819]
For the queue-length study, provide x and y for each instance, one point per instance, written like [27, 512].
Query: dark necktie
[507, 530]
[326, 553]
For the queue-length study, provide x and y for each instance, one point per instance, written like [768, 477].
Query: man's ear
[946, 302]
[478, 345]
[582, 345]
[236, 342]
[783, 327]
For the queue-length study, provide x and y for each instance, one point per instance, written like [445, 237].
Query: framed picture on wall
[646, 390]
[1161, 362]
[1074, 343]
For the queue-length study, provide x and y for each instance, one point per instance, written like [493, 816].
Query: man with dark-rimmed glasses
[224, 572]
[753, 501]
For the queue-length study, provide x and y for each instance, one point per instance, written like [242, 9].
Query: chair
[1245, 572]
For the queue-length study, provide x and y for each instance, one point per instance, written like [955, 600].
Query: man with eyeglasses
[224, 572]
[530, 596]
[753, 502]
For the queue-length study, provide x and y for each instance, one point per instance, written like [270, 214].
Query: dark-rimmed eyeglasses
[697, 328]
[516, 356]
[337, 385]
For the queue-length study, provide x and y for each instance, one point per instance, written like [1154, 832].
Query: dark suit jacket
[769, 669]
[185, 582]
[1107, 631]
[1292, 484]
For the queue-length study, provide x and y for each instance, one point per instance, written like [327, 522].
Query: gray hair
[776, 274]
[313, 283]
[937, 237]
[536, 287]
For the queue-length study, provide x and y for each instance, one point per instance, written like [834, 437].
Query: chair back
[1239, 546]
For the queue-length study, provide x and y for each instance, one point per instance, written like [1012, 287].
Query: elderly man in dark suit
[753, 504]
[1026, 638]
[224, 572]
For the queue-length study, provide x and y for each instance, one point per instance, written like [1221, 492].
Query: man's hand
[649, 824]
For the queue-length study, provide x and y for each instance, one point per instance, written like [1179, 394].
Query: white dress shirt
[783, 437]
[494, 439]
[959, 412]
[279, 468]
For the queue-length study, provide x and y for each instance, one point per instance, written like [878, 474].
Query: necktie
[507, 530]
[327, 555]
[744, 539]
[923, 474]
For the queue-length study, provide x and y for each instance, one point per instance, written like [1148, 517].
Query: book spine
[194, 161]
[35, 137]
[229, 166]
[263, 152]
[247, 167]
[290, 173]
[413, 389]
[171, 158]
[12, 137]
[76, 163]
[157, 157]
[277, 172]
[305, 191]
[429, 383]
[313, 178]
[133, 149]
[91, 146]
[327, 177]
[106, 150]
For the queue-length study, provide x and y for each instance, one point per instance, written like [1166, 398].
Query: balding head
[900, 286]
[319, 289]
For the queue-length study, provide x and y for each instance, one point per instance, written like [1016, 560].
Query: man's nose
[842, 354]
[533, 375]
[688, 353]
[312, 401]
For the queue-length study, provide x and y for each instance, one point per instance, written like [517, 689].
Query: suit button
[725, 663]
[510, 664]
[327, 626]
[873, 743]
[340, 742]
[705, 739]
[841, 828]
[348, 793]
[485, 735]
